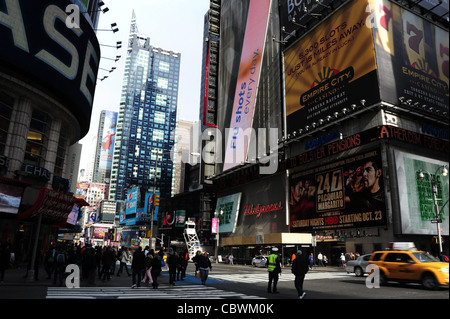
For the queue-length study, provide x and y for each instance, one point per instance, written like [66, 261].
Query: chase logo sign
[39, 47]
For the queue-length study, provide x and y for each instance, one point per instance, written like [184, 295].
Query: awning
[269, 239]
[81, 202]
[54, 206]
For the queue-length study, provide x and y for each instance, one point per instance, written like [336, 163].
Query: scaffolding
[191, 238]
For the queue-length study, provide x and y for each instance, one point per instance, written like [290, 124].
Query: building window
[161, 99]
[163, 83]
[36, 148]
[164, 66]
[6, 106]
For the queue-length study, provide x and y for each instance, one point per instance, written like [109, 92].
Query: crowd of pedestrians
[144, 266]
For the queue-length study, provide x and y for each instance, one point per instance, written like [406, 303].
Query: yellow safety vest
[272, 262]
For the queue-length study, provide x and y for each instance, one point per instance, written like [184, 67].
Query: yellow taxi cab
[410, 265]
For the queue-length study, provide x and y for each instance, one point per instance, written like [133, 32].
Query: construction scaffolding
[191, 238]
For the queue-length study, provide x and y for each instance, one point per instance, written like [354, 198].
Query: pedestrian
[311, 261]
[137, 267]
[98, 259]
[181, 267]
[156, 269]
[320, 259]
[4, 259]
[325, 260]
[107, 261]
[60, 264]
[49, 261]
[148, 268]
[124, 259]
[299, 269]
[90, 264]
[172, 262]
[195, 259]
[204, 266]
[342, 260]
[274, 270]
[293, 257]
[231, 259]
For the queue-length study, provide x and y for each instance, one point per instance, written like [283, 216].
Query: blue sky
[175, 25]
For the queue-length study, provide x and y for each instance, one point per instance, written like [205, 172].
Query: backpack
[60, 258]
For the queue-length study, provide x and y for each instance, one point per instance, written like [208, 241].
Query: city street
[224, 282]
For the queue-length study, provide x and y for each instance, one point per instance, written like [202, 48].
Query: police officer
[274, 269]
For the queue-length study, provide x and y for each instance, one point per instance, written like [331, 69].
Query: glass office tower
[147, 119]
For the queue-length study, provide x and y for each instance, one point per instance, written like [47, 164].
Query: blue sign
[131, 202]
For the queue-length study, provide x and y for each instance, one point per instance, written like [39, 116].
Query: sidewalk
[16, 277]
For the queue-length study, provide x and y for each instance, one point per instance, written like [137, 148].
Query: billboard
[247, 83]
[108, 138]
[228, 209]
[416, 198]
[39, 47]
[131, 202]
[331, 68]
[10, 197]
[413, 58]
[346, 193]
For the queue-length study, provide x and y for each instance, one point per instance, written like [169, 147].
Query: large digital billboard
[330, 68]
[42, 47]
[247, 83]
[108, 138]
[416, 197]
[342, 194]
[413, 58]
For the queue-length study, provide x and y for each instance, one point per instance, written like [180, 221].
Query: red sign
[258, 209]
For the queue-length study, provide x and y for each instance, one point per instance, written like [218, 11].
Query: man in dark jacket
[172, 261]
[138, 266]
[299, 269]
[108, 260]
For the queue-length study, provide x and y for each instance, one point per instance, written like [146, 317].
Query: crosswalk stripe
[178, 292]
[263, 277]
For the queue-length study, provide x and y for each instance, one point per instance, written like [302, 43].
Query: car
[358, 266]
[410, 266]
[260, 261]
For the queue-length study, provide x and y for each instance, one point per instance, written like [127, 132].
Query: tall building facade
[147, 119]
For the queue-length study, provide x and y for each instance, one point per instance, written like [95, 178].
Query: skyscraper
[147, 118]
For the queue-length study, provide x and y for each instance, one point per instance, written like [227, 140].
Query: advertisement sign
[131, 202]
[331, 68]
[100, 232]
[10, 197]
[214, 225]
[416, 198]
[180, 218]
[263, 207]
[149, 205]
[346, 193]
[39, 47]
[295, 9]
[413, 58]
[228, 209]
[108, 138]
[73, 216]
[247, 82]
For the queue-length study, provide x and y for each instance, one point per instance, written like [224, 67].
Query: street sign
[436, 221]
[313, 241]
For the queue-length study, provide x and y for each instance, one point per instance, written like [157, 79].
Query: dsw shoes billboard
[346, 193]
[331, 68]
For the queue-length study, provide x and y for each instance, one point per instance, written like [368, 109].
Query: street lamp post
[434, 191]
[216, 250]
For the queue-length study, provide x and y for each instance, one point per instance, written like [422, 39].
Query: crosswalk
[263, 276]
[163, 292]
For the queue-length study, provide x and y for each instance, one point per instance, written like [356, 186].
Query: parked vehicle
[358, 266]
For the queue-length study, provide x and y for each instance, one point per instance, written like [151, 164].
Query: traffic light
[156, 200]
